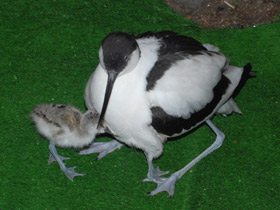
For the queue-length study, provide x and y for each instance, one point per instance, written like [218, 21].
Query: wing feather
[187, 86]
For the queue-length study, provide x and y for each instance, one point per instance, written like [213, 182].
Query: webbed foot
[52, 158]
[103, 148]
[167, 185]
[70, 173]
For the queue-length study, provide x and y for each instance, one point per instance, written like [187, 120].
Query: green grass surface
[48, 50]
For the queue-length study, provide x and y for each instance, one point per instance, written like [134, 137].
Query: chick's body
[65, 126]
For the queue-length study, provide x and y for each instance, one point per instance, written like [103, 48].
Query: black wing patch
[170, 125]
[247, 74]
[174, 47]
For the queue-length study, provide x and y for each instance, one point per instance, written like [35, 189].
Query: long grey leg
[69, 172]
[169, 184]
[103, 148]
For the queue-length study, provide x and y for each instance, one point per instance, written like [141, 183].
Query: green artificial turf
[48, 50]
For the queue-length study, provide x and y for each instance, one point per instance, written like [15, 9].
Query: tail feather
[228, 108]
[239, 78]
[247, 74]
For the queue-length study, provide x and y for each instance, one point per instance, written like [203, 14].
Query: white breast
[128, 108]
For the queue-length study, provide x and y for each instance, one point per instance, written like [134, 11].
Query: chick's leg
[69, 172]
[169, 184]
[103, 148]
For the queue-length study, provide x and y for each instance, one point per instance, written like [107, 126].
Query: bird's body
[161, 85]
[65, 126]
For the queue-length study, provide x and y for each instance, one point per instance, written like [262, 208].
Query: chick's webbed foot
[69, 172]
[103, 148]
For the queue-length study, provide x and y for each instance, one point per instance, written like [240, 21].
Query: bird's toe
[102, 148]
[155, 176]
[70, 173]
[168, 185]
[53, 159]
[158, 172]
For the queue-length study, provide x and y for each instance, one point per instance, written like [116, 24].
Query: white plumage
[146, 89]
[158, 85]
[187, 79]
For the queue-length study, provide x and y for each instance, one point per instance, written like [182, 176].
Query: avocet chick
[65, 126]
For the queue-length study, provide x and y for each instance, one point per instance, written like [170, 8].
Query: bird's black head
[116, 51]
[119, 53]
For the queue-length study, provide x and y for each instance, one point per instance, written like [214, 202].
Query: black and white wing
[186, 84]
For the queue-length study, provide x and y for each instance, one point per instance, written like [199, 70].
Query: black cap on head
[117, 48]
